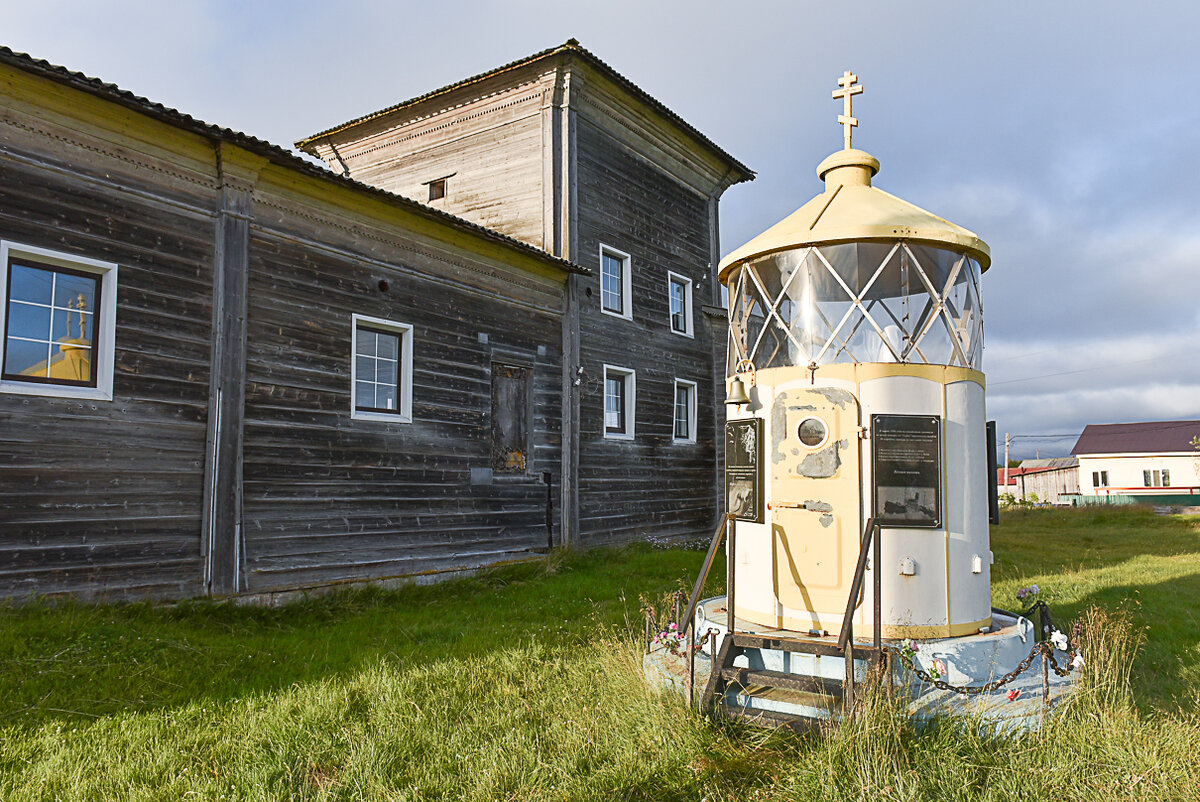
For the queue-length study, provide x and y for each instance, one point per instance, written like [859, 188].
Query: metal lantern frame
[954, 302]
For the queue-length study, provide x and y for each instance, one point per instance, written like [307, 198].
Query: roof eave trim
[273, 153]
[743, 173]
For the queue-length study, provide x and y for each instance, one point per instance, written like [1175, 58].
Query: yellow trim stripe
[859, 372]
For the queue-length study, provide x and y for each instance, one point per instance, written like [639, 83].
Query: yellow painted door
[815, 504]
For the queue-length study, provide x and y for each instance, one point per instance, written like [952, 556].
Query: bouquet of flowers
[671, 638]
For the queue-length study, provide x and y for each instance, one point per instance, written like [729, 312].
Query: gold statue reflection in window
[73, 360]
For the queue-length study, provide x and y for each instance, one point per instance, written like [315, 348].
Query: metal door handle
[795, 505]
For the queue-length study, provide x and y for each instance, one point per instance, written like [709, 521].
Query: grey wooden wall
[328, 498]
[104, 498]
[648, 486]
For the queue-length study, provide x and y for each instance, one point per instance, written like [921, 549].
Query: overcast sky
[1063, 133]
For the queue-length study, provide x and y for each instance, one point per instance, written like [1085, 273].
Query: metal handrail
[870, 537]
[845, 643]
[694, 600]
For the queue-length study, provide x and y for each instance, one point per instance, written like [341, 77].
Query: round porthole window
[812, 432]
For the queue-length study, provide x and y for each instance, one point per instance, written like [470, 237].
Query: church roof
[261, 147]
[744, 173]
[1153, 437]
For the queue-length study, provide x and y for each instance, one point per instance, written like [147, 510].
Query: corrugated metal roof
[572, 46]
[1050, 463]
[275, 153]
[1153, 437]
[1067, 463]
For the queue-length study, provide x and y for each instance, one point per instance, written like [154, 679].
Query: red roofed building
[1154, 462]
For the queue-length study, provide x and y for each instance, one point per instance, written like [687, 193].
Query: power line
[1073, 372]
[1047, 436]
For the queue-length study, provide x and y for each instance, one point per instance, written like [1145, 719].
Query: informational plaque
[907, 457]
[743, 469]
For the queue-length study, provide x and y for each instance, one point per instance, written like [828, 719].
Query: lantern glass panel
[857, 302]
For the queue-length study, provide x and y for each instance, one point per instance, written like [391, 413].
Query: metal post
[730, 557]
[691, 683]
[548, 478]
[848, 686]
[1045, 687]
[876, 581]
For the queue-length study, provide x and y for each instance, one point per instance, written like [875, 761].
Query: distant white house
[1153, 462]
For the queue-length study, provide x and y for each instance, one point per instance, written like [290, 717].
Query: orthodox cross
[848, 90]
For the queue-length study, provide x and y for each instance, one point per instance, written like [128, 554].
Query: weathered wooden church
[491, 325]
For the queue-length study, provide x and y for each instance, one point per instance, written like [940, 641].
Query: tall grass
[578, 722]
[448, 693]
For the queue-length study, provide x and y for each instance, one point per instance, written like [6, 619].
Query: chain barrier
[1044, 648]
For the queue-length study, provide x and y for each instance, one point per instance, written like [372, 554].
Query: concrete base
[970, 660]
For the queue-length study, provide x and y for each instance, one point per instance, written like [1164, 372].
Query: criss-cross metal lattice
[762, 323]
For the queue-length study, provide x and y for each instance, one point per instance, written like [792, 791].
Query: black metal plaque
[744, 469]
[906, 453]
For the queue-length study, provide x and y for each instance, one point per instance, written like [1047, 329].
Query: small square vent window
[437, 189]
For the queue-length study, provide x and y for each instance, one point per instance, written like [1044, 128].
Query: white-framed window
[1099, 478]
[679, 303]
[620, 400]
[616, 283]
[59, 322]
[684, 428]
[381, 370]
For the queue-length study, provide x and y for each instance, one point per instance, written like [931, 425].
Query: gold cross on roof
[848, 90]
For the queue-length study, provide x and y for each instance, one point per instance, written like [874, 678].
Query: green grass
[525, 683]
[1121, 559]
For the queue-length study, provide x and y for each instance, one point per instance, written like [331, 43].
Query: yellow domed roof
[851, 210]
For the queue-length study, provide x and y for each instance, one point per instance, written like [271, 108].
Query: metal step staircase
[801, 702]
[737, 691]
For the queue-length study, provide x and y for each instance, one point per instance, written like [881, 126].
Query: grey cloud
[1063, 133]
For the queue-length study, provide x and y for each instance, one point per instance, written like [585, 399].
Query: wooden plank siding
[489, 141]
[229, 461]
[106, 499]
[103, 499]
[651, 485]
[328, 498]
[609, 167]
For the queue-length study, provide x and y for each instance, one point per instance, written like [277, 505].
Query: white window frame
[673, 278]
[106, 324]
[630, 378]
[626, 282]
[691, 438]
[403, 413]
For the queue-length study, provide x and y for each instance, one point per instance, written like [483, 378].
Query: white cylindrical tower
[856, 326]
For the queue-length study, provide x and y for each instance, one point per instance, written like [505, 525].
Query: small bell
[737, 392]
